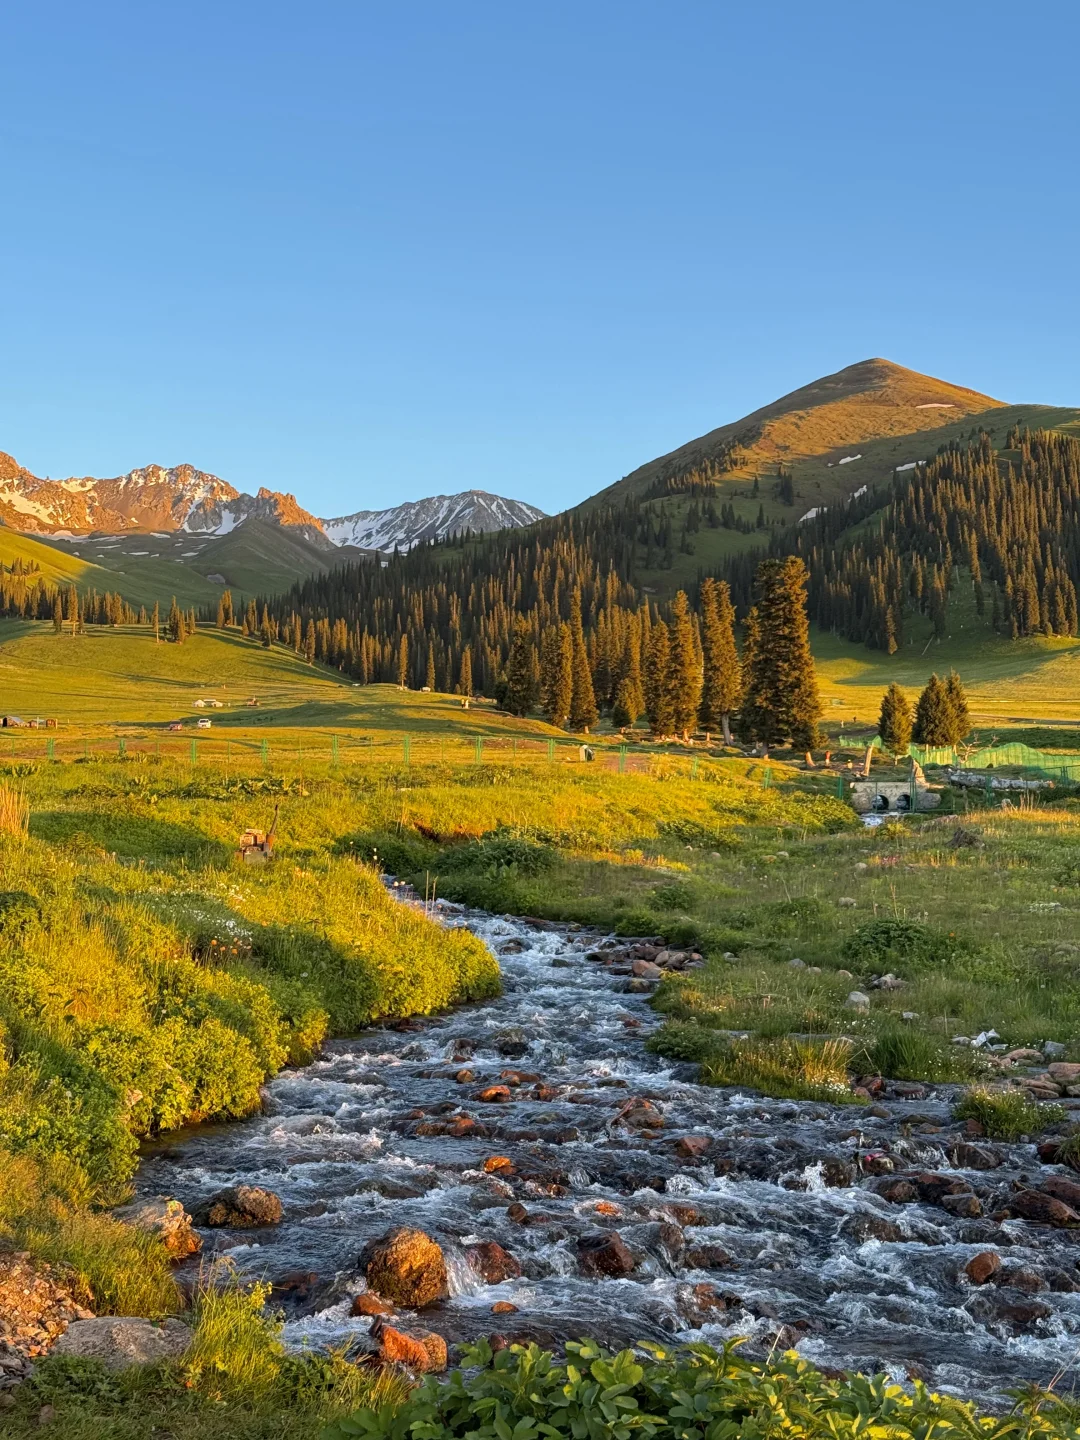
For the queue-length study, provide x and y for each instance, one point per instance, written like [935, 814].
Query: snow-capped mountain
[436, 518]
[183, 498]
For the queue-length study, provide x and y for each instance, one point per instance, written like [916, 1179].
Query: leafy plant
[698, 1393]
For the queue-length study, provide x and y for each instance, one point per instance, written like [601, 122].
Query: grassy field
[149, 978]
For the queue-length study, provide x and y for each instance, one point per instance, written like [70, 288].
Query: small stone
[494, 1095]
[1063, 1189]
[692, 1147]
[517, 1213]
[856, 1000]
[847, 902]
[964, 1207]
[796, 964]
[646, 970]
[1053, 1049]
[498, 1165]
[1063, 1073]
[369, 1304]
[165, 1218]
[604, 1255]
[503, 1307]
[465, 1077]
[492, 1263]
[425, 1354]
[983, 1267]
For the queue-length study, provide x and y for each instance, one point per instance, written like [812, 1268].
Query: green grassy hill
[832, 437]
[121, 678]
[257, 557]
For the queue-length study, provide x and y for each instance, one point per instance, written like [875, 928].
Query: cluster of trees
[1011, 528]
[940, 716]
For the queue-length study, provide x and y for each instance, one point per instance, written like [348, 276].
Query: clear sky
[372, 251]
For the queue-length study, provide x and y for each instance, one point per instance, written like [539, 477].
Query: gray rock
[122, 1340]
[1053, 1049]
[858, 1001]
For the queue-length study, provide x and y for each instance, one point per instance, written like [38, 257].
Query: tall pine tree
[781, 684]
[721, 689]
[683, 679]
[657, 698]
[934, 723]
[895, 720]
[583, 712]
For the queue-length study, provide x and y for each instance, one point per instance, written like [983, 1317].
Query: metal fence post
[551, 749]
[479, 749]
[121, 747]
[622, 759]
[406, 746]
[50, 747]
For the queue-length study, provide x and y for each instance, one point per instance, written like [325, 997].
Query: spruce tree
[174, 625]
[557, 675]
[657, 699]
[683, 678]
[583, 712]
[58, 613]
[781, 684]
[895, 720]
[519, 696]
[465, 680]
[429, 679]
[403, 662]
[721, 688]
[155, 620]
[309, 643]
[933, 715]
[959, 715]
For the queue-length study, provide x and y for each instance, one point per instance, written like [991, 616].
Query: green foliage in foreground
[696, 1394]
[1007, 1114]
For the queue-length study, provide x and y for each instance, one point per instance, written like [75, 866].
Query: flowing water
[773, 1234]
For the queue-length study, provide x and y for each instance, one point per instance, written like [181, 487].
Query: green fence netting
[1055, 765]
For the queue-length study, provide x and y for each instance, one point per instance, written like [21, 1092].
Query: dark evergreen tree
[959, 715]
[557, 675]
[520, 697]
[721, 688]
[657, 697]
[934, 724]
[465, 680]
[583, 711]
[683, 679]
[895, 721]
[781, 683]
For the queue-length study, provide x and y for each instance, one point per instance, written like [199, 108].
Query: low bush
[1006, 1114]
[522, 1393]
[907, 947]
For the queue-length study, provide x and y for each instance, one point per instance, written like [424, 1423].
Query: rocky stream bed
[576, 1184]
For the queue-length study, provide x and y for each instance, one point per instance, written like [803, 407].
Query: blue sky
[372, 251]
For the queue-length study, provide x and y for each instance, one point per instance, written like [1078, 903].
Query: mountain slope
[437, 518]
[866, 401]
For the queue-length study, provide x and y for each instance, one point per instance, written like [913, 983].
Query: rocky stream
[576, 1184]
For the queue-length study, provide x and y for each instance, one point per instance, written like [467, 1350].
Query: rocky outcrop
[165, 1218]
[243, 1207]
[424, 1353]
[118, 1341]
[407, 1267]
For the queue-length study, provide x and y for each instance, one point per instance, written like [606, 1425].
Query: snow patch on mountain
[436, 518]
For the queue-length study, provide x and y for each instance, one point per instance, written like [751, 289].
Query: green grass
[1007, 1114]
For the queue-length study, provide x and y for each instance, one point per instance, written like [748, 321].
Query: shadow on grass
[128, 835]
